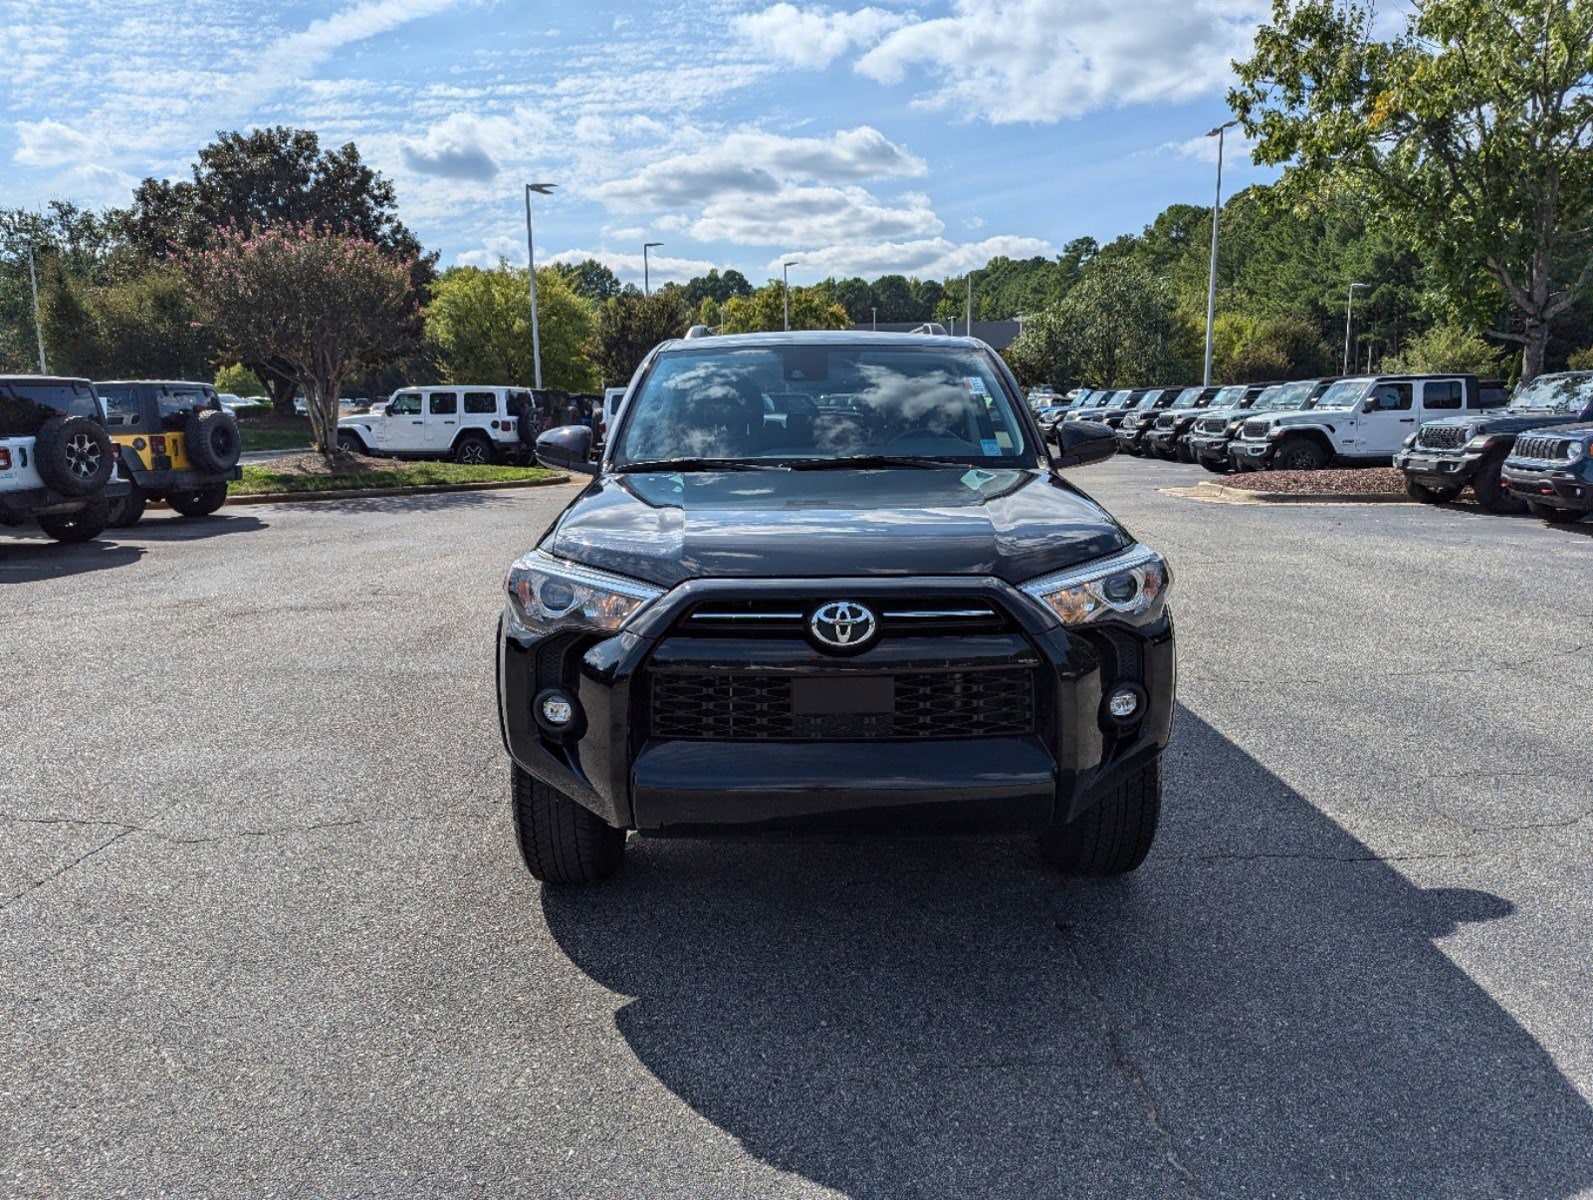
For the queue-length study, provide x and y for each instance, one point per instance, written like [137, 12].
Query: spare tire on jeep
[213, 441]
[74, 455]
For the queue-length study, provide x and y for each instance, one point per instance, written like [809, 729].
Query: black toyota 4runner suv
[1444, 457]
[833, 580]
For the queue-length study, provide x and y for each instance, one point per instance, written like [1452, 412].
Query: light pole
[38, 325]
[968, 312]
[1211, 283]
[785, 275]
[873, 317]
[646, 246]
[541, 189]
[1349, 310]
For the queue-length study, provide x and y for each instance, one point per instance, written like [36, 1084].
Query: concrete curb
[377, 493]
[1226, 493]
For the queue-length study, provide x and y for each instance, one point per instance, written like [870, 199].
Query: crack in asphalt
[1129, 1070]
[59, 871]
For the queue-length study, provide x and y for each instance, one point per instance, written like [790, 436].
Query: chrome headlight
[547, 593]
[1128, 584]
[1410, 439]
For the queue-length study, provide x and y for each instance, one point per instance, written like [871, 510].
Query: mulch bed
[315, 463]
[1352, 481]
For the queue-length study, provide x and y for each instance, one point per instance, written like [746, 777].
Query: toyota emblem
[843, 625]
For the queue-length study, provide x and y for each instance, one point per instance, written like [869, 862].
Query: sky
[916, 138]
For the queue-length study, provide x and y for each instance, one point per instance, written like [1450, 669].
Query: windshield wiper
[700, 464]
[859, 462]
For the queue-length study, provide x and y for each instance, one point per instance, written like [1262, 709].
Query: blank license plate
[843, 696]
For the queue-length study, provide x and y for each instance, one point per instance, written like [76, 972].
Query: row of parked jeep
[1529, 451]
[77, 458]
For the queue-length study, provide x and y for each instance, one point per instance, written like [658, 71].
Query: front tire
[1113, 836]
[84, 525]
[561, 842]
[349, 443]
[200, 503]
[1299, 454]
[1490, 492]
[1429, 495]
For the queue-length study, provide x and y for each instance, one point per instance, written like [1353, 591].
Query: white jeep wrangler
[57, 463]
[465, 422]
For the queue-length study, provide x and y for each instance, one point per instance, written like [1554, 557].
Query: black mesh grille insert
[1441, 437]
[1543, 449]
[1256, 429]
[928, 704]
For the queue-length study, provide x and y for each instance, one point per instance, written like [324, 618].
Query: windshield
[1148, 400]
[1287, 395]
[805, 401]
[1269, 396]
[1344, 393]
[1229, 397]
[1188, 397]
[1555, 393]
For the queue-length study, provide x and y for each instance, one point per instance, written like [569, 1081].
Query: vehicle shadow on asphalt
[1260, 1010]
[162, 528]
[33, 560]
[422, 503]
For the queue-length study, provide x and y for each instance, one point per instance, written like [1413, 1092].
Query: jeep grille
[1441, 437]
[1256, 429]
[1543, 448]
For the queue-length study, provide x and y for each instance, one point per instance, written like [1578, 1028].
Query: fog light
[558, 710]
[1123, 704]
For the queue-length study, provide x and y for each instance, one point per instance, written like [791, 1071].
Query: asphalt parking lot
[263, 932]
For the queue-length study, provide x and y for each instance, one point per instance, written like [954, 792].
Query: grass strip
[262, 479]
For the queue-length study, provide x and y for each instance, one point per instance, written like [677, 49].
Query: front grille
[1544, 449]
[1212, 425]
[1441, 437]
[1165, 421]
[1256, 429]
[927, 704]
[783, 618]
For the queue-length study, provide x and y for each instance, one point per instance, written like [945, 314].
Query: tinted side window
[443, 404]
[480, 403]
[25, 407]
[405, 404]
[1441, 393]
[1492, 395]
[182, 401]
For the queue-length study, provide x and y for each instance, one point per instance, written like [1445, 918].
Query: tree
[1447, 347]
[239, 381]
[1112, 329]
[631, 324]
[1248, 349]
[588, 279]
[1471, 134]
[321, 304]
[716, 287]
[276, 178]
[1581, 360]
[479, 323]
[811, 308]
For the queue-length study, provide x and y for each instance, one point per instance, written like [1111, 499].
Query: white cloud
[813, 37]
[493, 251]
[814, 216]
[299, 54]
[926, 257]
[1236, 148]
[460, 147]
[753, 162]
[49, 143]
[1046, 60]
[660, 268]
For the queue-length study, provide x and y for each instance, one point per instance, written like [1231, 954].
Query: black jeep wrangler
[833, 580]
[175, 442]
[1443, 457]
[57, 463]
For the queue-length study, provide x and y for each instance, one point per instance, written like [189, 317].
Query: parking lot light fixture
[646, 246]
[1349, 310]
[541, 189]
[785, 275]
[1211, 283]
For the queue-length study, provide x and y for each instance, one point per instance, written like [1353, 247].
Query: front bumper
[1559, 486]
[1131, 439]
[621, 769]
[1249, 454]
[1437, 468]
[1209, 447]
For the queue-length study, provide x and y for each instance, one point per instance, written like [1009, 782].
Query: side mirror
[1080, 443]
[567, 448]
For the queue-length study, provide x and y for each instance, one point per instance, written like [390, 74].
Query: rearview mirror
[567, 448]
[1080, 443]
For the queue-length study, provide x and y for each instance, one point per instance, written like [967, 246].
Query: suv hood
[668, 528]
[1499, 422]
